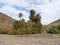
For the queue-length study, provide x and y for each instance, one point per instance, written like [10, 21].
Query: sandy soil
[36, 39]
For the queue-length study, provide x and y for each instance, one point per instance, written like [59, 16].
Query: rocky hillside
[57, 22]
[6, 22]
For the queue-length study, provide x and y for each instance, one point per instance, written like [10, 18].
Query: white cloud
[15, 2]
[7, 11]
[49, 9]
[12, 12]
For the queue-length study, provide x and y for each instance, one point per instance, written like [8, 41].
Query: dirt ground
[36, 39]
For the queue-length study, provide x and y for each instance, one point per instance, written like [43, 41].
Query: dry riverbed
[36, 39]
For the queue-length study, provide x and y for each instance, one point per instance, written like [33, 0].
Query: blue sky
[1, 5]
[48, 9]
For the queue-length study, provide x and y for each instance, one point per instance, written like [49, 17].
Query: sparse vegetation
[3, 31]
[54, 29]
[13, 32]
[32, 26]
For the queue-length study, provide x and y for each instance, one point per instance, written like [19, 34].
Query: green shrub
[54, 29]
[13, 32]
[23, 31]
[18, 32]
[3, 31]
[27, 28]
[35, 31]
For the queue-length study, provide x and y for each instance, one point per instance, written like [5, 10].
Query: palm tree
[20, 15]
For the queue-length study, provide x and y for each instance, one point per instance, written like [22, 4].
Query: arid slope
[6, 22]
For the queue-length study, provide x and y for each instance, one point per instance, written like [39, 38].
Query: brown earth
[6, 22]
[37, 39]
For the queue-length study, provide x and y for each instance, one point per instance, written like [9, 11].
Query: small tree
[32, 13]
[33, 17]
